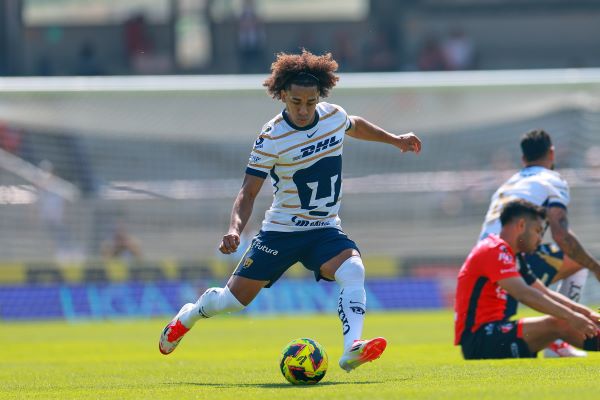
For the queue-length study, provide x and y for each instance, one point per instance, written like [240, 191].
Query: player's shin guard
[572, 286]
[352, 302]
[214, 301]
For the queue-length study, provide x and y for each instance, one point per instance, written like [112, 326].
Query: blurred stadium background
[130, 123]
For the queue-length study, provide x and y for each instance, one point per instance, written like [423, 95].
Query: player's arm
[540, 301]
[241, 212]
[564, 300]
[365, 130]
[568, 242]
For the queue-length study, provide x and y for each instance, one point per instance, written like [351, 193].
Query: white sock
[572, 286]
[212, 302]
[352, 302]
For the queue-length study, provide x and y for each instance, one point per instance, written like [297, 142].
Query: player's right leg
[265, 260]
[235, 296]
[539, 332]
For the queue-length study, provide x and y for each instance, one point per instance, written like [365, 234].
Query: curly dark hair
[305, 69]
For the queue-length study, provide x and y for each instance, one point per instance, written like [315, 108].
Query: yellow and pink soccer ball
[303, 362]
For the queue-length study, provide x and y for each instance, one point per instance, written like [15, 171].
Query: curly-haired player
[301, 150]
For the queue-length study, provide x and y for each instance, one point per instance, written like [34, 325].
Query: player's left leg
[552, 266]
[571, 278]
[348, 271]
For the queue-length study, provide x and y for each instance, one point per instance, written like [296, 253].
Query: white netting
[163, 158]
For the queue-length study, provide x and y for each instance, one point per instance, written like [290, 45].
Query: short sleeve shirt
[479, 298]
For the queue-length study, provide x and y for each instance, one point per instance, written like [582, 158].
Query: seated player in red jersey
[482, 319]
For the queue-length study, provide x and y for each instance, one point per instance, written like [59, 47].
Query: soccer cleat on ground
[173, 332]
[361, 352]
[563, 349]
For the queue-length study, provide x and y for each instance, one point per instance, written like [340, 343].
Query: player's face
[531, 238]
[300, 103]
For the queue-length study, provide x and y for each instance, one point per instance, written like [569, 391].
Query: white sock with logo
[572, 286]
[352, 302]
[214, 301]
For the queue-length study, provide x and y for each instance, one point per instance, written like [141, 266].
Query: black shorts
[545, 262]
[270, 253]
[498, 339]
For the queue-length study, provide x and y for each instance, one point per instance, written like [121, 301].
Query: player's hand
[595, 317]
[230, 243]
[583, 325]
[408, 142]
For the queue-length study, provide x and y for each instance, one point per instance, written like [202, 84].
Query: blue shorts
[270, 253]
[545, 262]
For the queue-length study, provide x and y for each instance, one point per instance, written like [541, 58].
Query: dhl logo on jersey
[318, 147]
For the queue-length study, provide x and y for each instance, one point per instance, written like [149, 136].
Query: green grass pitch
[237, 358]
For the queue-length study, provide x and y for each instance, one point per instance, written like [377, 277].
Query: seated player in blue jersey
[301, 150]
[491, 274]
[567, 261]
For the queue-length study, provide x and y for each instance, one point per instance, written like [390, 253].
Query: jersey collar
[296, 127]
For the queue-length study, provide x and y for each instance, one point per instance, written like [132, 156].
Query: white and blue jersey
[305, 165]
[538, 185]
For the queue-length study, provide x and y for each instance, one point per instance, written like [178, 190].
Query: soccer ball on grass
[303, 362]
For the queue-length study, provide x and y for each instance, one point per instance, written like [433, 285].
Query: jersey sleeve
[348, 123]
[344, 114]
[558, 194]
[263, 156]
[500, 264]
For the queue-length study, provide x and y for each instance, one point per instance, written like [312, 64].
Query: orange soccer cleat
[362, 351]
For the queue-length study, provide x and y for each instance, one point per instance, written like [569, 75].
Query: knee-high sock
[572, 286]
[352, 303]
[214, 301]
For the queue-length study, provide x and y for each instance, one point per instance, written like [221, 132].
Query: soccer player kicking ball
[301, 150]
[490, 274]
[567, 263]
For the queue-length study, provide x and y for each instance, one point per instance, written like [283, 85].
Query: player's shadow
[282, 385]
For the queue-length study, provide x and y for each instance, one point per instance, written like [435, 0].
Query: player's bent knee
[244, 289]
[330, 267]
[557, 326]
[351, 272]
[230, 303]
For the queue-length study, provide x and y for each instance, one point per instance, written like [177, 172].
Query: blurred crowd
[378, 52]
[397, 37]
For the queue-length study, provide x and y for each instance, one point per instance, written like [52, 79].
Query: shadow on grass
[273, 385]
